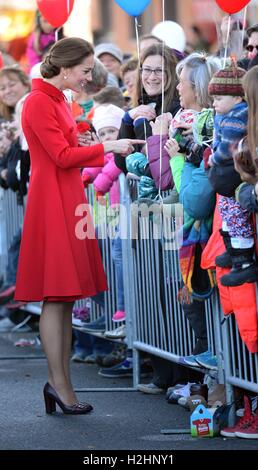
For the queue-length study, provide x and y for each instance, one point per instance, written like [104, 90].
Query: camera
[193, 151]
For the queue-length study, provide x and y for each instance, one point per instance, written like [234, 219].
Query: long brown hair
[170, 74]
[244, 163]
[250, 82]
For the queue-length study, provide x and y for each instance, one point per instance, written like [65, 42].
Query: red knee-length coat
[57, 260]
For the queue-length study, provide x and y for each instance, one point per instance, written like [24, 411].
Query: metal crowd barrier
[241, 366]
[160, 327]
[152, 270]
[11, 217]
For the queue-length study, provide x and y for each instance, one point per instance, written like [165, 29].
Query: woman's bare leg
[52, 321]
[67, 335]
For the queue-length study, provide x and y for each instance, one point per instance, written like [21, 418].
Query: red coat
[57, 262]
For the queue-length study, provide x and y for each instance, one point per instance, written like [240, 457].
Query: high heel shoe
[51, 398]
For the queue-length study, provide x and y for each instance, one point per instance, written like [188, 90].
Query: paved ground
[121, 420]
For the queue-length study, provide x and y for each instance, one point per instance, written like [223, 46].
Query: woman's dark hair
[110, 95]
[150, 36]
[170, 73]
[250, 81]
[99, 78]
[67, 52]
[129, 66]
[13, 71]
[244, 163]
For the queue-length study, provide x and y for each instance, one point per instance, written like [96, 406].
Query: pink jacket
[105, 178]
[165, 179]
[45, 39]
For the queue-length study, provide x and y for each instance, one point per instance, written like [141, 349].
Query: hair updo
[67, 52]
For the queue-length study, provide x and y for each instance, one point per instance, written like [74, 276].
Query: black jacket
[246, 197]
[224, 178]
[9, 161]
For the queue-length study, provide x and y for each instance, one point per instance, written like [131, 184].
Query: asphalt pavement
[127, 420]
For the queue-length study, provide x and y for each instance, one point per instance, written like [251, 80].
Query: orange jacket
[239, 300]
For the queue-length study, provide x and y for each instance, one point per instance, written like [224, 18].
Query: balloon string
[56, 33]
[227, 41]
[137, 26]
[137, 41]
[244, 25]
[68, 7]
[162, 102]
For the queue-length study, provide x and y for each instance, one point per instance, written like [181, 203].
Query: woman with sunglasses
[252, 46]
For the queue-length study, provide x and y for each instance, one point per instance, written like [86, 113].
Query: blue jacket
[229, 128]
[196, 193]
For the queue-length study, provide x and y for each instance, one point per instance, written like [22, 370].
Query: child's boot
[244, 268]
[224, 260]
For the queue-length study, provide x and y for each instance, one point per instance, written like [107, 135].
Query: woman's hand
[123, 146]
[87, 139]
[210, 161]
[143, 111]
[161, 124]
[172, 147]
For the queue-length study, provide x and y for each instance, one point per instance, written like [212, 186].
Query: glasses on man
[250, 48]
[146, 71]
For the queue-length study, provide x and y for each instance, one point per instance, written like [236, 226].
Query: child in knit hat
[230, 127]
[107, 122]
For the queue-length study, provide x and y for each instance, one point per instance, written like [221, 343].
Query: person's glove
[86, 179]
[206, 155]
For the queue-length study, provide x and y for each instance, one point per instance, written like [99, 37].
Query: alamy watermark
[135, 221]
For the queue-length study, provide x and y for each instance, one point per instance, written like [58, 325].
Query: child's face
[224, 103]
[108, 133]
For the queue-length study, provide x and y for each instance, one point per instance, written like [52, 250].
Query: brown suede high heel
[51, 398]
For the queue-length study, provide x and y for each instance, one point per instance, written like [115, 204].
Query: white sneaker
[78, 322]
[184, 391]
[117, 333]
[150, 388]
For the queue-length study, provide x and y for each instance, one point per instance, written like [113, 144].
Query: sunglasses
[250, 48]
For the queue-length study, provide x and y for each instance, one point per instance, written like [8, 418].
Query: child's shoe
[224, 260]
[78, 357]
[231, 431]
[119, 316]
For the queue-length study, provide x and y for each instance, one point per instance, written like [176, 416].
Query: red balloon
[232, 6]
[56, 12]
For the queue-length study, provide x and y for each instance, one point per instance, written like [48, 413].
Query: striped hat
[227, 81]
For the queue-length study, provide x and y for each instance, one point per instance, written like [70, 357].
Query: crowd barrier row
[155, 322]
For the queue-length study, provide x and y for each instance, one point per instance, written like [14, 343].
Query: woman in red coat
[59, 258]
